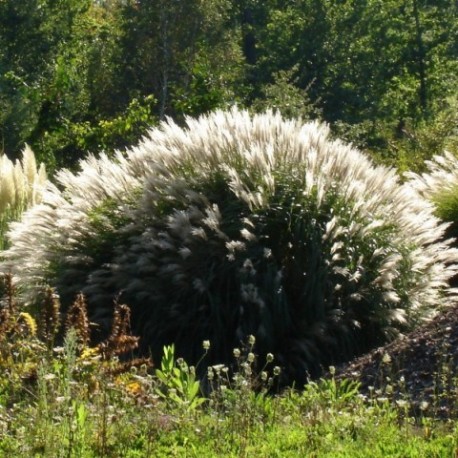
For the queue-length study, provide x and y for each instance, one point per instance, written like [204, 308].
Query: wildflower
[250, 357]
[277, 371]
[210, 374]
[236, 352]
[77, 319]
[386, 359]
[206, 345]
[218, 368]
[402, 403]
[269, 357]
[251, 340]
[90, 353]
[49, 315]
[29, 322]
[134, 388]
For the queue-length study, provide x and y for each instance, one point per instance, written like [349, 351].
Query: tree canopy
[79, 76]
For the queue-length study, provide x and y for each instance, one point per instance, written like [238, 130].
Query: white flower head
[236, 224]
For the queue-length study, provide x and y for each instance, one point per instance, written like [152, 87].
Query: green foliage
[286, 97]
[446, 203]
[40, 81]
[74, 139]
[74, 77]
[331, 392]
[70, 401]
[177, 382]
[304, 424]
[368, 60]
[379, 72]
[407, 144]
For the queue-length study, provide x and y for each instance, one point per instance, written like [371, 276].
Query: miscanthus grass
[20, 188]
[439, 184]
[236, 225]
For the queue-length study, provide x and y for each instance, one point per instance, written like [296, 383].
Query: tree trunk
[421, 58]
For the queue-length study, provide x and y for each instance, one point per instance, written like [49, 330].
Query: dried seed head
[49, 321]
[120, 341]
[77, 319]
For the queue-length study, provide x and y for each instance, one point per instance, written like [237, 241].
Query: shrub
[236, 226]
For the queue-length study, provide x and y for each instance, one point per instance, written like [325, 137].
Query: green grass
[110, 423]
[81, 401]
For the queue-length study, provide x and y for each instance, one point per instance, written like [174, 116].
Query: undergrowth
[62, 396]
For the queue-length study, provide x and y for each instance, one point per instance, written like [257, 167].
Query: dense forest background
[79, 76]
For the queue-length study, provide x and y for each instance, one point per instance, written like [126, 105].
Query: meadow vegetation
[81, 400]
[242, 197]
[77, 382]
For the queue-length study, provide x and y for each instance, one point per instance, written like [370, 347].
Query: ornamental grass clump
[234, 226]
[439, 185]
[20, 188]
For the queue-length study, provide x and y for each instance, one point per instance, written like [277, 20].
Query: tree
[182, 52]
[31, 37]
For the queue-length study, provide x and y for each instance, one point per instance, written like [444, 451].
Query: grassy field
[80, 401]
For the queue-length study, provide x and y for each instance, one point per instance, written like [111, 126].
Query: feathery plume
[236, 225]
